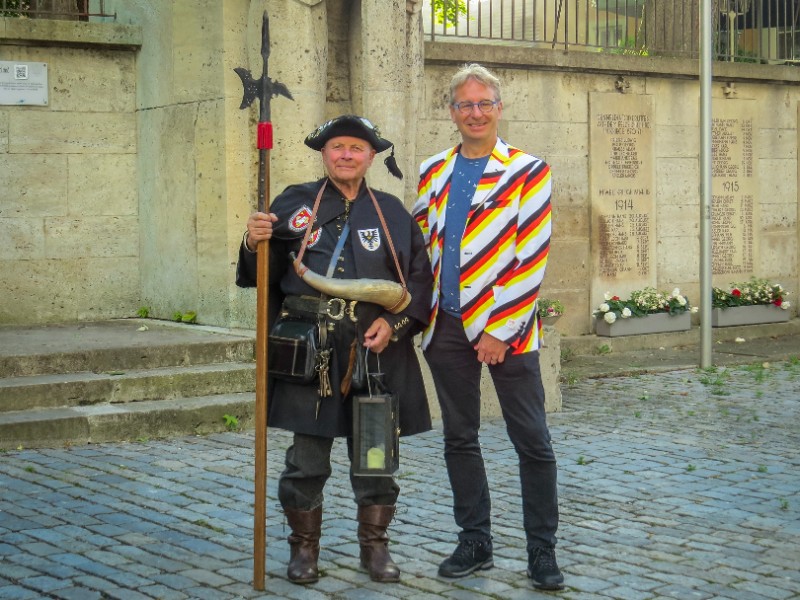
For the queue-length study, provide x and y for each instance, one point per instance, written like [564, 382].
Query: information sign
[23, 83]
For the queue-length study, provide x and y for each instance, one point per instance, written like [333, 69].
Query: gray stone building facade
[131, 187]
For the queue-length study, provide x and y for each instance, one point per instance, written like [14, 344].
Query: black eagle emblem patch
[370, 238]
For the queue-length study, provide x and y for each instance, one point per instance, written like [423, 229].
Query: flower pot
[748, 315]
[655, 323]
[550, 320]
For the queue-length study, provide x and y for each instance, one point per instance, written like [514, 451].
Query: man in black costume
[348, 241]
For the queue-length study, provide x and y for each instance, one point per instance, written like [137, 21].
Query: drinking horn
[389, 294]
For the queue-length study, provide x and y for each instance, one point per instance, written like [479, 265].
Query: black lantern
[376, 434]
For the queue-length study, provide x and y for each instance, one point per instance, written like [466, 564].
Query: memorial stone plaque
[622, 172]
[23, 83]
[734, 181]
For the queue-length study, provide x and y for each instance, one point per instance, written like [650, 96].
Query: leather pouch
[292, 351]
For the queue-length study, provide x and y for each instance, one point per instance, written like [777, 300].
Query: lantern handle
[377, 376]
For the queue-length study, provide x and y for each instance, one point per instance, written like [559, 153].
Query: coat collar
[498, 160]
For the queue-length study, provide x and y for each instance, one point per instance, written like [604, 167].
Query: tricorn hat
[353, 126]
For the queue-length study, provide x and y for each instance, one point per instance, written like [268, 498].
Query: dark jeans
[456, 375]
[308, 466]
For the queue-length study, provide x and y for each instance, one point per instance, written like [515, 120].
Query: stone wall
[69, 213]
[548, 97]
[131, 188]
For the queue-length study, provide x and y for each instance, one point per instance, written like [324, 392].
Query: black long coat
[292, 406]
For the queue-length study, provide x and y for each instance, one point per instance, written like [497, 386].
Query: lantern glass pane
[372, 435]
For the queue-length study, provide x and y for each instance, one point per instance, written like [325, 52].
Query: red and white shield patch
[300, 219]
[315, 235]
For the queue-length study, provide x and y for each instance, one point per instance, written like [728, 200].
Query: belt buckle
[339, 306]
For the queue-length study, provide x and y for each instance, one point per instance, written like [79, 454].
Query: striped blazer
[504, 248]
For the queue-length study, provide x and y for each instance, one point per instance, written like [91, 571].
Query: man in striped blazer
[484, 209]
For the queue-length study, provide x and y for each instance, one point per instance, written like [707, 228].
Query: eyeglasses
[465, 108]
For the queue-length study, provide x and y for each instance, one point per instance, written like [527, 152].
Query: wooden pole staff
[263, 89]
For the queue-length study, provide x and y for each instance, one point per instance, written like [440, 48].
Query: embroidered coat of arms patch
[370, 238]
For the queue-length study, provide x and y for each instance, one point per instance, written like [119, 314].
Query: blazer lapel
[496, 164]
[444, 177]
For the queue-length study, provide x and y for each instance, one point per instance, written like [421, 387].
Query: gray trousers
[308, 467]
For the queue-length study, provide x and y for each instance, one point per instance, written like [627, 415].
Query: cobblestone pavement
[683, 484]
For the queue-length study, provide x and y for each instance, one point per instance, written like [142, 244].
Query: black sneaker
[543, 568]
[469, 556]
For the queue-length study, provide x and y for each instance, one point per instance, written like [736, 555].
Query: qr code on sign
[20, 71]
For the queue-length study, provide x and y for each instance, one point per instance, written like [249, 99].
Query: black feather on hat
[354, 126]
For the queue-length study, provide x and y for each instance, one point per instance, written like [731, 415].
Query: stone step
[586, 345]
[67, 390]
[122, 379]
[53, 427]
[117, 345]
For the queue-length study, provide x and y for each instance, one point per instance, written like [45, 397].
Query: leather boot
[306, 528]
[374, 542]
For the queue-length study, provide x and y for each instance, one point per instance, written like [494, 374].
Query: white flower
[739, 340]
[626, 312]
[608, 296]
[694, 309]
[785, 305]
[609, 317]
[604, 307]
[681, 300]
[676, 292]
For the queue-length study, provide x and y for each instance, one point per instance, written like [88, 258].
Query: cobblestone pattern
[678, 485]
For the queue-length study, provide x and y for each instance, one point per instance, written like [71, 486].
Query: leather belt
[333, 308]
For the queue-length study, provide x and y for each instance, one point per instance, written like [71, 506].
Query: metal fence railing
[764, 31]
[77, 10]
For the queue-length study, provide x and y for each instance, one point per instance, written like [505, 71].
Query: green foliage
[185, 317]
[745, 56]
[629, 47]
[749, 293]
[207, 525]
[448, 11]
[569, 377]
[143, 312]
[13, 6]
[643, 302]
[549, 308]
[760, 371]
[231, 422]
